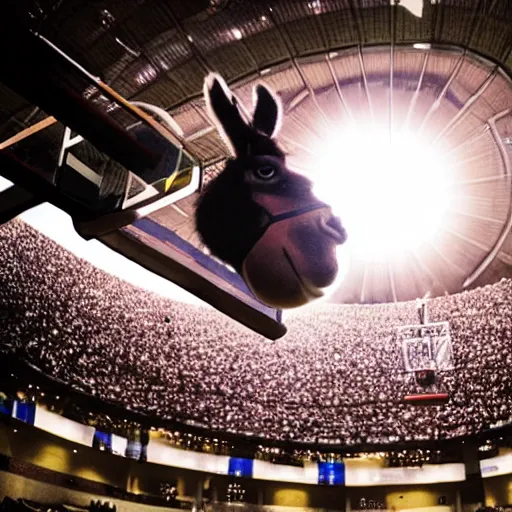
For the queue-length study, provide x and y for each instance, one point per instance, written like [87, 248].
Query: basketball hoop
[425, 377]
[427, 354]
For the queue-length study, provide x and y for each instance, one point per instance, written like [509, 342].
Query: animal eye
[266, 172]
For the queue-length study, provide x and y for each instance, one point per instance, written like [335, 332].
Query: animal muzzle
[295, 257]
[332, 227]
[330, 224]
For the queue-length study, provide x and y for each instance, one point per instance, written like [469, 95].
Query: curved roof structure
[438, 67]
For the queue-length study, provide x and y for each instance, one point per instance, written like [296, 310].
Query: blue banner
[25, 411]
[102, 441]
[6, 407]
[240, 467]
[331, 473]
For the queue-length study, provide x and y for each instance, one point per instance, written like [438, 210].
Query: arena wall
[16, 486]
[498, 490]
[408, 497]
[46, 450]
[51, 452]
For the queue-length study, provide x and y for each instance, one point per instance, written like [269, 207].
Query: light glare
[391, 193]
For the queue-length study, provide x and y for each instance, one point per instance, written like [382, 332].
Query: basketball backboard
[109, 165]
[426, 346]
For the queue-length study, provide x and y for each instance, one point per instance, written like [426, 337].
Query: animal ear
[268, 113]
[223, 109]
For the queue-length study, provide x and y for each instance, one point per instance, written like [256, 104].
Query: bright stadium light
[391, 193]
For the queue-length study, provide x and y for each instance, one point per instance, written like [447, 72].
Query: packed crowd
[336, 377]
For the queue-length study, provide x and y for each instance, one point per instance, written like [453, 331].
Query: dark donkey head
[259, 216]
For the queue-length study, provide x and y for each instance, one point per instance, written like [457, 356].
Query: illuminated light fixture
[15, 430]
[75, 451]
[237, 33]
[422, 46]
[265, 71]
[391, 193]
[263, 18]
[413, 6]
[332, 55]
[315, 6]
[190, 38]
[107, 19]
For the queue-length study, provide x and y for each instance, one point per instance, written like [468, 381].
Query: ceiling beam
[414, 99]
[448, 261]
[427, 270]
[478, 217]
[392, 21]
[337, 86]
[469, 102]
[505, 257]
[486, 261]
[467, 239]
[365, 80]
[437, 102]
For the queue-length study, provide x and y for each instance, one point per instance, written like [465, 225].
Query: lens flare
[391, 192]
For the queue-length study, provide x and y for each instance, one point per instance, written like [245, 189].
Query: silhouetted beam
[14, 201]
[42, 76]
[28, 178]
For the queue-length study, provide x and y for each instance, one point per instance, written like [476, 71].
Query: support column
[458, 501]
[260, 496]
[214, 492]
[472, 491]
[198, 497]
[348, 507]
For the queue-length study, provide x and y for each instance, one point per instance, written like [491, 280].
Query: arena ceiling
[332, 62]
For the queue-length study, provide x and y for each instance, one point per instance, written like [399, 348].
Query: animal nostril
[335, 223]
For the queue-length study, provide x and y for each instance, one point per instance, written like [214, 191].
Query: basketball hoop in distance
[425, 378]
